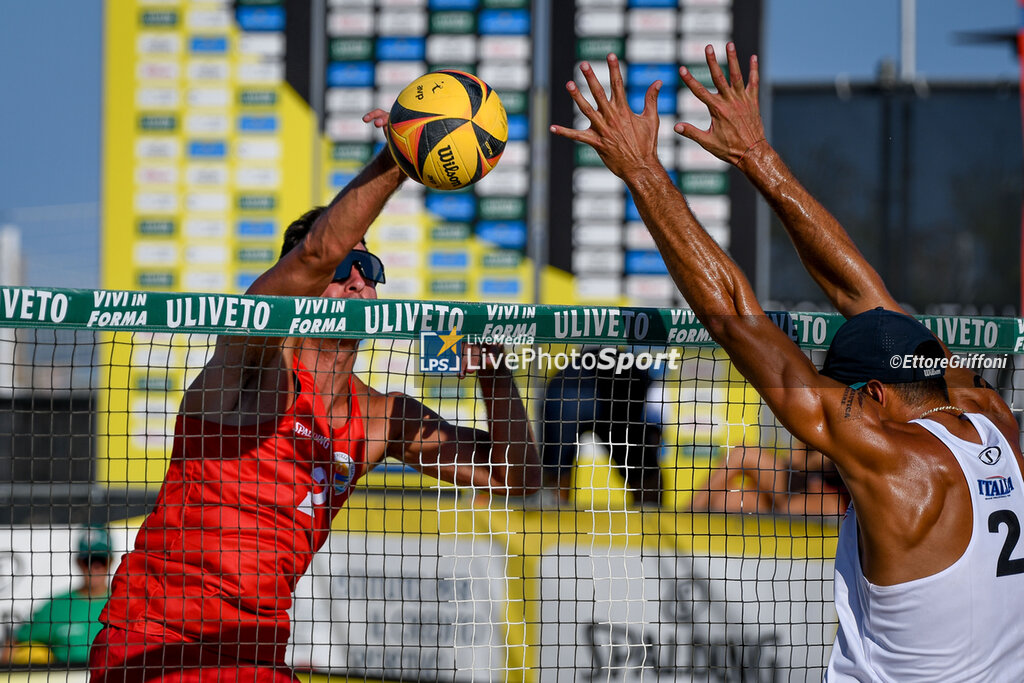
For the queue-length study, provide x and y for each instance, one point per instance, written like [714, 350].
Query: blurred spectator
[763, 481]
[62, 630]
[613, 405]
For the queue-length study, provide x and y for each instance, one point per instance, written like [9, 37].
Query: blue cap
[873, 344]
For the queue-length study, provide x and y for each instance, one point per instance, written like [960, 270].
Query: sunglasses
[368, 265]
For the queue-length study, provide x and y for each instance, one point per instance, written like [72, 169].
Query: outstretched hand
[736, 125]
[625, 141]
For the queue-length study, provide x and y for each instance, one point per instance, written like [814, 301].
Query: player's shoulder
[918, 442]
[881, 445]
[892, 458]
[982, 398]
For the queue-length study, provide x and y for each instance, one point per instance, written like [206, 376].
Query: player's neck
[331, 367]
[327, 355]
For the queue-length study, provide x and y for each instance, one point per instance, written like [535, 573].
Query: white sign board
[429, 607]
[622, 614]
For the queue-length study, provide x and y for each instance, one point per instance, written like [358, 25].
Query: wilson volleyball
[447, 129]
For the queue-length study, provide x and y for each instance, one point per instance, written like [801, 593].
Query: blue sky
[50, 74]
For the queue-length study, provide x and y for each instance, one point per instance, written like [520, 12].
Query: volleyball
[447, 129]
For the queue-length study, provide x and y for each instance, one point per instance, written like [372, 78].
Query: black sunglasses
[369, 266]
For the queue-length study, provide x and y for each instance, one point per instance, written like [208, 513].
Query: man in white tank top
[929, 575]
[953, 615]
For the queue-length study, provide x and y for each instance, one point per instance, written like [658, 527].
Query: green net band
[100, 310]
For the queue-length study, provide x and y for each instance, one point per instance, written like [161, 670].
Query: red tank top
[241, 512]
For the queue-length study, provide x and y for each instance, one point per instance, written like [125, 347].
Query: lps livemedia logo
[440, 353]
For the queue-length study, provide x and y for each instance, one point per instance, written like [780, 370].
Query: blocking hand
[625, 141]
[736, 125]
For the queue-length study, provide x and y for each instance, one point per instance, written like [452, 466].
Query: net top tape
[271, 316]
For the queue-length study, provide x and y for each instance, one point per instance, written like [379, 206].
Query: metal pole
[537, 247]
[908, 40]
[317, 90]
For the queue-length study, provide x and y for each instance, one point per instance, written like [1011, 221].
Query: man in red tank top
[269, 440]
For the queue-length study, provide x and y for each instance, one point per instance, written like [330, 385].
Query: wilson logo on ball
[447, 129]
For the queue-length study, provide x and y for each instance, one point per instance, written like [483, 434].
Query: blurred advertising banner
[447, 592]
[430, 607]
[618, 613]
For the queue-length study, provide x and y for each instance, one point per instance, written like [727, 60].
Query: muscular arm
[737, 136]
[724, 301]
[512, 458]
[828, 254]
[720, 295]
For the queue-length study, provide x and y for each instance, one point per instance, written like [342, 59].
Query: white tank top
[961, 624]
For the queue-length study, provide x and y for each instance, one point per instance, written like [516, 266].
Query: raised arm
[737, 136]
[810, 405]
[852, 285]
[245, 370]
[502, 460]
[307, 269]
[711, 282]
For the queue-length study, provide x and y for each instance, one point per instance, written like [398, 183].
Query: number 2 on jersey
[1007, 566]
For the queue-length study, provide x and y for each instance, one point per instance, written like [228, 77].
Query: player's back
[962, 623]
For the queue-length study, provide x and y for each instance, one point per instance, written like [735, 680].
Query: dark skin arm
[828, 254]
[858, 433]
[716, 289]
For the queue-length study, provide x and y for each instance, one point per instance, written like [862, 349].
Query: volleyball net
[681, 534]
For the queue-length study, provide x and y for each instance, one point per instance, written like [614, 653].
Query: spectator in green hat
[62, 630]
